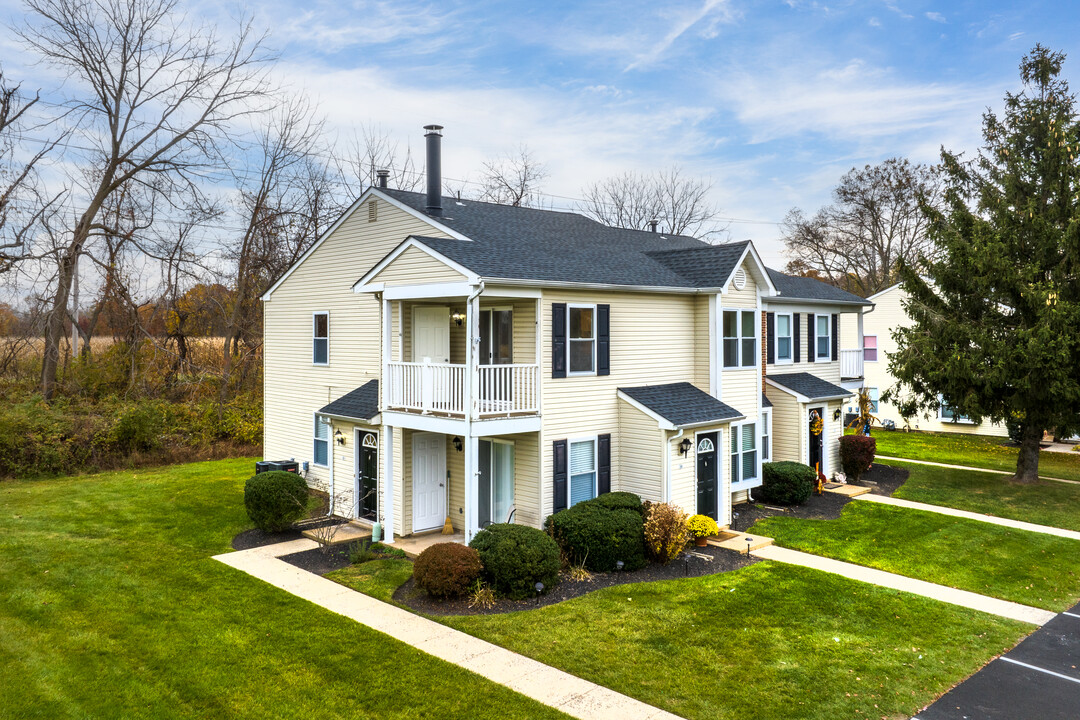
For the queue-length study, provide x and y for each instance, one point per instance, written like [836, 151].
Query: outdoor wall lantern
[836, 414]
[339, 437]
[684, 446]
[459, 318]
[457, 444]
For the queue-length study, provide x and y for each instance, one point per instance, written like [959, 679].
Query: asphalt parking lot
[1039, 679]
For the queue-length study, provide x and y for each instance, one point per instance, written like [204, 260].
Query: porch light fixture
[457, 444]
[459, 318]
[339, 437]
[836, 414]
[684, 446]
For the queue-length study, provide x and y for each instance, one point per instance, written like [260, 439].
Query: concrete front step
[847, 490]
[739, 541]
[346, 533]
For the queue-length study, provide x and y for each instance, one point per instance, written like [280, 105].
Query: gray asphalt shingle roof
[682, 404]
[801, 288]
[765, 402]
[520, 243]
[361, 403]
[809, 385]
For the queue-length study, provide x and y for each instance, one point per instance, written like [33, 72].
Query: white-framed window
[783, 338]
[823, 337]
[869, 348]
[582, 470]
[874, 394]
[581, 339]
[740, 338]
[320, 338]
[766, 436]
[744, 453]
[321, 450]
[947, 414]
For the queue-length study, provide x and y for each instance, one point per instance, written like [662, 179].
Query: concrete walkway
[968, 467]
[963, 598]
[555, 688]
[989, 519]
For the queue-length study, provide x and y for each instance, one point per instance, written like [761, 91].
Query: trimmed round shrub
[857, 455]
[275, 499]
[666, 531]
[596, 535]
[787, 483]
[516, 557]
[619, 501]
[446, 570]
[702, 526]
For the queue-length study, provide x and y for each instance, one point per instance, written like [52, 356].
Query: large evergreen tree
[996, 315]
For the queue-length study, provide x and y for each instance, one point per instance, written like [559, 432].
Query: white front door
[431, 333]
[429, 481]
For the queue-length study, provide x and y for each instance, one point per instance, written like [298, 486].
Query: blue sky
[772, 101]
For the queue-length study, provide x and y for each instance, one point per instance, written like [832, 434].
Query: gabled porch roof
[807, 388]
[679, 405]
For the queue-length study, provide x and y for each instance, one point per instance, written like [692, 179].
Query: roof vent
[739, 281]
[652, 224]
[372, 210]
[383, 176]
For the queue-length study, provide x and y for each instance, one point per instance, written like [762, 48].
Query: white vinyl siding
[320, 338]
[582, 470]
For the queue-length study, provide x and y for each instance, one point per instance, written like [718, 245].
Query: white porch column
[388, 485]
[472, 452]
[861, 343]
[387, 354]
[472, 323]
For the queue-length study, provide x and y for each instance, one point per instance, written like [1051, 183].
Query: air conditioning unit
[268, 465]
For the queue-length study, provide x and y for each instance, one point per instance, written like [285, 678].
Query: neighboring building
[878, 344]
[432, 357]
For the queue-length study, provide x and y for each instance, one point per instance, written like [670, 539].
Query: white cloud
[873, 22]
[935, 16]
[713, 12]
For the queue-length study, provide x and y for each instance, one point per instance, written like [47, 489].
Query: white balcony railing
[440, 388]
[851, 364]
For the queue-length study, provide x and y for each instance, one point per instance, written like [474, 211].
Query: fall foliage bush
[666, 531]
[857, 455]
[447, 570]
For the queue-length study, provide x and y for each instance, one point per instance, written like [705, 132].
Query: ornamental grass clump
[275, 499]
[447, 570]
[666, 532]
[702, 526]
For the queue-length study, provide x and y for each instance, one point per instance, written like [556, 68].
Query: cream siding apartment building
[432, 358]
[878, 327]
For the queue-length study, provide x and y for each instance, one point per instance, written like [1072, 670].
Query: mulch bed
[722, 561]
[321, 560]
[881, 479]
[255, 537]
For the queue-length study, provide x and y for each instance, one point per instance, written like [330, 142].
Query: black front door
[707, 475]
[367, 484]
[816, 421]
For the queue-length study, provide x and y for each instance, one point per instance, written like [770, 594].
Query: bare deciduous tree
[22, 201]
[155, 96]
[371, 150]
[513, 179]
[874, 222]
[680, 204]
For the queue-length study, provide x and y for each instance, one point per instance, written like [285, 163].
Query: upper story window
[823, 338]
[740, 338]
[869, 348]
[783, 338]
[320, 338]
[581, 340]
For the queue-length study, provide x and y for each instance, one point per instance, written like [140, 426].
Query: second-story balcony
[441, 389]
[851, 364]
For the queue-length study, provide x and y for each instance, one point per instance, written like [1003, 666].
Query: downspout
[667, 463]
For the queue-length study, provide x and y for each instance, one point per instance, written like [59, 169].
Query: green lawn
[1025, 567]
[770, 641]
[972, 450]
[110, 607]
[1047, 503]
[377, 578]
